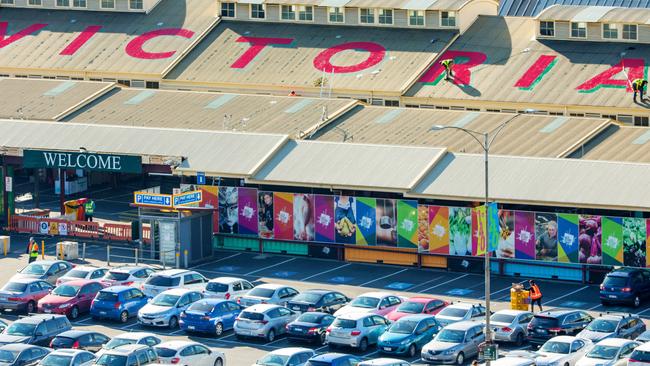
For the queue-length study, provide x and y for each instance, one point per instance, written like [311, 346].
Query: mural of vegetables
[634, 242]
[460, 226]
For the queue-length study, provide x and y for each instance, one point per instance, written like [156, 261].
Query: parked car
[640, 356]
[562, 350]
[511, 325]
[455, 343]
[165, 309]
[625, 285]
[189, 353]
[310, 327]
[68, 357]
[643, 337]
[173, 278]
[3, 326]
[460, 311]
[210, 316]
[127, 276]
[613, 326]
[516, 358]
[38, 329]
[83, 273]
[318, 300]
[384, 362]
[128, 354]
[117, 303]
[356, 330]
[23, 294]
[263, 321]
[71, 298]
[229, 288]
[148, 339]
[290, 356]
[609, 352]
[334, 359]
[548, 324]
[48, 271]
[408, 335]
[21, 354]
[80, 339]
[268, 293]
[380, 303]
[417, 305]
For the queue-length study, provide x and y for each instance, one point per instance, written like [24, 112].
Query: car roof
[329, 357]
[177, 344]
[127, 348]
[377, 294]
[172, 272]
[26, 280]
[74, 333]
[355, 315]
[87, 268]
[624, 271]
[135, 335]
[178, 291]
[644, 347]
[382, 362]
[462, 305]
[288, 351]
[69, 352]
[273, 286]
[37, 318]
[463, 325]
[227, 280]
[128, 269]
[47, 262]
[421, 299]
[212, 301]
[564, 339]
[17, 347]
[117, 289]
[555, 313]
[417, 317]
[79, 282]
[317, 291]
[261, 308]
[511, 312]
[616, 342]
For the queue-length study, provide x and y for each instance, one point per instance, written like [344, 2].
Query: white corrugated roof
[592, 13]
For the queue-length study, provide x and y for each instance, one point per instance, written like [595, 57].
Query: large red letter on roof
[323, 60]
[257, 45]
[81, 39]
[18, 35]
[605, 78]
[536, 72]
[462, 72]
[134, 48]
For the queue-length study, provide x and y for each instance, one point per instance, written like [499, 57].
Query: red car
[22, 294]
[71, 298]
[417, 305]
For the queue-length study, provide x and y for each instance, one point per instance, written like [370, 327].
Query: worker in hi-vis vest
[535, 295]
[448, 64]
[638, 86]
[89, 208]
[33, 254]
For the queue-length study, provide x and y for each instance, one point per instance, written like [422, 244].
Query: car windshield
[602, 325]
[77, 273]
[403, 327]
[201, 307]
[502, 318]
[35, 269]
[116, 276]
[365, 302]
[273, 360]
[111, 360]
[603, 352]
[56, 360]
[344, 323]
[307, 297]
[251, 316]
[411, 307]
[261, 292]
[310, 318]
[216, 287]
[163, 281]
[14, 287]
[107, 296]
[453, 312]
[66, 290]
[165, 352]
[116, 342]
[451, 336]
[556, 347]
[615, 281]
[7, 357]
[21, 329]
[165, 300]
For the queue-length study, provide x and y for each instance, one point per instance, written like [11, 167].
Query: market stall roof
[594, 14]
[623, 143]
[391, 4]
[526, 8]
[525, 134]
[45, 99]
[539, 181]
[211, 111]
[227, 154]
[347, 166]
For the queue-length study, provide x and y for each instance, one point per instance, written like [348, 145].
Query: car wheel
[519, 341]
[322, 338]
[411, 351]
[460, 359]
[124, 316]
[363, 345]
[173, 322]
[270, 336]
[31, 307]
[218, 330]
[74, 313]
[637, 301]
[218, 362]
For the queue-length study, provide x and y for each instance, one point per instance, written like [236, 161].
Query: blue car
[210, 316]
[334, 359]
[408, 335]
[117, 303]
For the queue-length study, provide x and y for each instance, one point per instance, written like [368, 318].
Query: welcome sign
[85, 161]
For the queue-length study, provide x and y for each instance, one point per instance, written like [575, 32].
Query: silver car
[263, 321]
[455, 343]
[48, 271]
[356, 330]
[165, 309]
[510, 325]
[268, 293]
[460, 311]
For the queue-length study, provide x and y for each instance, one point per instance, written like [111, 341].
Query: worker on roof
[293, 93]
[448, 64]
[639, 85]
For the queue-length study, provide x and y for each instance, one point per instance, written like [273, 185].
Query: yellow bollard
[43, 249]
[4, 246]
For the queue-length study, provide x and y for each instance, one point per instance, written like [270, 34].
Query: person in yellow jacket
[638, 86]
[448, 64]
[33, 253]
[535, 296]
[89, 208]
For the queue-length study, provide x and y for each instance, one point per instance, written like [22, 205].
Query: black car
[37, 329]
[625, 285]
[548, 324]
[309, 327]
[80, 339]
[21, 354]
[326, 301]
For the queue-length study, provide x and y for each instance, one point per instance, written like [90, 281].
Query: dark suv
[625, 285]
[37, 329]
[548, 324]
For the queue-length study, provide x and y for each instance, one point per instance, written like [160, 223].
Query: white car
[145, 338]
[384, 362]
[562, 351]
[460, 311]
[290, 356]
[189, 353]
[229, 288]
[516, 358]
[609, 352]
[640, 356]
[83, 272]
[68, 357]
[173, 278]
[127, 276]
[380, 303]
[268, 293]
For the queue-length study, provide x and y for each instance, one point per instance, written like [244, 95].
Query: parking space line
[565, 295]
[129, 326]
[381, 278]
[641, 312]
[177, 331]
[370, 354]
[444, 283]
[218, 260]
[82, 320]
[277, 264]
[426, 283]
[275, 341]
[595, 306]
[321, 273]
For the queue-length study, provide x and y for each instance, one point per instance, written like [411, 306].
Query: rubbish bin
[67, 250]
[519, 298]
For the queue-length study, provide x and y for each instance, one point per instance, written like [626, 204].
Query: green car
[408, 335]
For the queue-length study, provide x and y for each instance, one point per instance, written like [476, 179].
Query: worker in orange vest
[535, 295]
[33, 254]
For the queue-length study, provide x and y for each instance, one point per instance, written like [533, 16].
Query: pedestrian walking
[33, 254]
[535, 296]
[448, 64]
[89, 208]
[639, 85]
[29, 245]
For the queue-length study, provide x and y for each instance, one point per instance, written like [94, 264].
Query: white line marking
[321, 273]
[275, 341]
[277, 264]
[641, 312]
[444, 283]
[177, 331]
[82, 320]
[381, 278]
[218, 260]
[593, 307]
[569, 294]
[129, 326]
[427, 282]
[370, 354]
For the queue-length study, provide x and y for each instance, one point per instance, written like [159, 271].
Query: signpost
[187, 198]
[86, 161]
[488, 351]
[152, 199]
[200, 178]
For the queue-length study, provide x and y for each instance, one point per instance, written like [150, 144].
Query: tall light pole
[486, 143]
